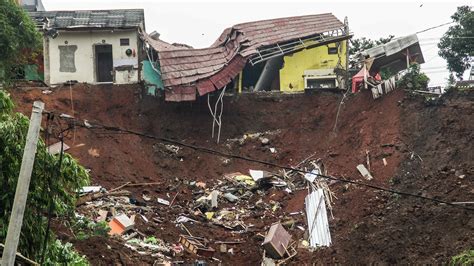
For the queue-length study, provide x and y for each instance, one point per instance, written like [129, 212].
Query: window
[332, 50]
[124, 42]
[67, 58]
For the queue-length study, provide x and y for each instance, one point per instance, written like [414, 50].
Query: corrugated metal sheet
[392, 55]
[115, 18]
[218, 63]
[316, 215]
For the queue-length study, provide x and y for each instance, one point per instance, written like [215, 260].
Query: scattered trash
[384, 161]
[276, 241]
[364, 172]
[312, 176]
[231, 197]
[146, 197]
[209, 215]
[184, 219]
[223, 248]
[256, 174]
[214, 195]
[200, 184]
[90, 189]
[163, 201]
[273, 150]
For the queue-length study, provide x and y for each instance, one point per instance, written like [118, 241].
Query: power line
[90, 126]
[435, 27]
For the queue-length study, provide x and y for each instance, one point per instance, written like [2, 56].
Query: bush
[64, 254]
[465, 258]
[47, 183]
[413, 79]
[84, 228]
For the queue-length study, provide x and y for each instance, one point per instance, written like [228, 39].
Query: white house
[92, 46]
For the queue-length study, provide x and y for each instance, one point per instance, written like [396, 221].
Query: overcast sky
[199, 23]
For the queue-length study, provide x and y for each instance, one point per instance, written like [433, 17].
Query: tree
[49, 184]
[19, 39]
[457, 44]
[361, 44]
[413, 79]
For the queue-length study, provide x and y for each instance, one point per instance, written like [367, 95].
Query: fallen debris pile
[229, 203]
[414, 146]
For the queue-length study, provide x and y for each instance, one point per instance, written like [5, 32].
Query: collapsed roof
[185, 71]
[117, 18]
[393, 55]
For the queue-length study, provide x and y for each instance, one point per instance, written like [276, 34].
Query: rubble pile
[232, 202]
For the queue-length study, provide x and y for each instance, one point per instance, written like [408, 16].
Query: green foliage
[6, 104]
[465, 258]
[84, 228]
[46, 183]
[19, 39]
[64, 254]
[151, 240]
[413, 79]
[457, 44]
[361, 44]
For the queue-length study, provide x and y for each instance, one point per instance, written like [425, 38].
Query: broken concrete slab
[364, 172]
[56, 148]
[102, 215]
[120, 224]
[276, 241]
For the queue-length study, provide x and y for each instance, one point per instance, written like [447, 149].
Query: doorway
[104, 62]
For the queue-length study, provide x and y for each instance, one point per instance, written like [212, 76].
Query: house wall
[84, 56]
[292, 73]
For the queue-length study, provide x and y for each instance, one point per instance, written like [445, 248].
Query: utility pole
[22, 187]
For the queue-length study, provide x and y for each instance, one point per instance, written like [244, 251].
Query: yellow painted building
[323, 59]
[313, 67]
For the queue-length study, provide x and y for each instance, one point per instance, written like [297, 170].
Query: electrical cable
[89, 125]
[51, 190]
[435, 27]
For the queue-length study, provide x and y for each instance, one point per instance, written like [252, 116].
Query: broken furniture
[196, 245]
[276, 241]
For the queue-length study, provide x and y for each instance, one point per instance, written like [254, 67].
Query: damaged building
[290, 54]
[92, 46]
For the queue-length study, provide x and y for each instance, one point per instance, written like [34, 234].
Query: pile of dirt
[426, 147]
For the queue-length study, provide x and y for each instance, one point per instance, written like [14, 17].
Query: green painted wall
[152, 79]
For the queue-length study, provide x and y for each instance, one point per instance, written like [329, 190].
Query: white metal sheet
[316, 215]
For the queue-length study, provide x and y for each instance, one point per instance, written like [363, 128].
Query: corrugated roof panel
[120, 18]
[316, 216]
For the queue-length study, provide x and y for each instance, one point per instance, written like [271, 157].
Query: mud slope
[368, 226]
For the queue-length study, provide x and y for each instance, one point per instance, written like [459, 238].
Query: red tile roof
[212, 68]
